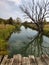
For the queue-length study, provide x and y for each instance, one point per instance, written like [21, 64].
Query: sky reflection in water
[28, 42]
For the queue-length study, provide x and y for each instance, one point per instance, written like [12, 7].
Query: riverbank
[46, 30]
[33, 26]
[5, 32]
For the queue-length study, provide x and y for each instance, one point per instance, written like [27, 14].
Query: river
[26, 41]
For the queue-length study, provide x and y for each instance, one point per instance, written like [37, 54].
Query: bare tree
[37, 13]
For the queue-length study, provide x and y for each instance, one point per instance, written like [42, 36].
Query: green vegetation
[7, 21]
[33, 26]
[7, 26]
[10, 21]
[3, 47]
[5, 32]
[46, 30]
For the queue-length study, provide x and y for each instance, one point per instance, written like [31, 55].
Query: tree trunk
[40, 27]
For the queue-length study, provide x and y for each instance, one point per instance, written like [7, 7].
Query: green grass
[5, 32]
[46, 30]
[33, 26]
[3, 47]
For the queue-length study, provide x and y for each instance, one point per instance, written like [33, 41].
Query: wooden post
[7, 62]
[32, 60]
[4, 60]
[25, 61]
[11, 61]
[46, 59]
[17, 59]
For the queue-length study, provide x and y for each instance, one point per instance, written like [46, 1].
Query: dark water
[26, 41]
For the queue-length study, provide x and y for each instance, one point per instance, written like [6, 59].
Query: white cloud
[9, 9]
[4, 6]
[17, 2]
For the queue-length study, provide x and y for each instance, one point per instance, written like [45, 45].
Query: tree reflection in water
[35, 47]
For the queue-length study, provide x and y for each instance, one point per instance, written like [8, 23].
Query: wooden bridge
[19, 60]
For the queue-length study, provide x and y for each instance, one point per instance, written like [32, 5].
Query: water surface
[28, 42]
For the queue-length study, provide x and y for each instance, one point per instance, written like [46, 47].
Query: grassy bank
[33, 26]
[46, 30]
[5, 32]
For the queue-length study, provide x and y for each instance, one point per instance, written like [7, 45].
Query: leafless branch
[39, 12]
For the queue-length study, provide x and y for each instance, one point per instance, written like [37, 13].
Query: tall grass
[46, 30]
[5, 31]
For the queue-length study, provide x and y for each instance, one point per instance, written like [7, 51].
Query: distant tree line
[10, 21]
[17, 21]
[26, 22]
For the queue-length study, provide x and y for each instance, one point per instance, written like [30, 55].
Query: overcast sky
[10, 8]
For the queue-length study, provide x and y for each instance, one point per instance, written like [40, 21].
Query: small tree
[10, 21]
[18, 20]
[37, 11]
